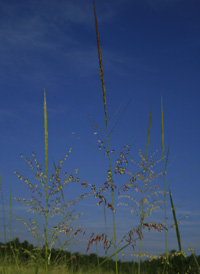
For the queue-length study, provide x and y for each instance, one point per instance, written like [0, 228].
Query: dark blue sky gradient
[149, 48]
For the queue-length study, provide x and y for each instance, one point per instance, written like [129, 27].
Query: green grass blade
[164, 167]
[112, 129]
[115, 114]
[175, 222]
[113, 254]
[195, 259]
[177, 230]
[167, 156]
[142, 212]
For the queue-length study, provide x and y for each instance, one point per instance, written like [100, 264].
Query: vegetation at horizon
[22, 255]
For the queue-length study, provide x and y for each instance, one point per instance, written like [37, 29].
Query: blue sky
[148, 47]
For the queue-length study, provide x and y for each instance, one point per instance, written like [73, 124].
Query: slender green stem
[71, 257]
[3, 210]
[177, 229]
[195, 259]
[109, 257]
[164, 170]
[143, 191]
[107, 133]
[4, 217]
[10, 216]
[140, 245]
[46, 188]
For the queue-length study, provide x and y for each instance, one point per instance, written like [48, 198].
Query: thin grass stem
[107, 132]
[46, 190]
[164, 170]
[177, 229]
[142, 211]
[4, 217]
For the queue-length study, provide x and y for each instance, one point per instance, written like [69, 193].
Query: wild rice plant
[110, 179]
[45, 201]
[145, 167]
[144, 199]
[108, 152]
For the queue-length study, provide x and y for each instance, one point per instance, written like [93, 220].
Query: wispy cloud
[44, 30]
[158, 4]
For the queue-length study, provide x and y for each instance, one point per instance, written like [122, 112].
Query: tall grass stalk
[46, 190]
[175, 222]
[3, 211]
[142, 212]
[164, 171]
[107, 134]
[195, 259]
[10, 215]
[4, 217]
[49, 203]
[177, 229]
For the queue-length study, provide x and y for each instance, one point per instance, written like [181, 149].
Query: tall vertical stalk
[4, 218]
[107, 133]
[46, 188]
[164, 170]
[195, 259]
[177, 231]
[10, 216]
[3, 211]
[142, 211]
